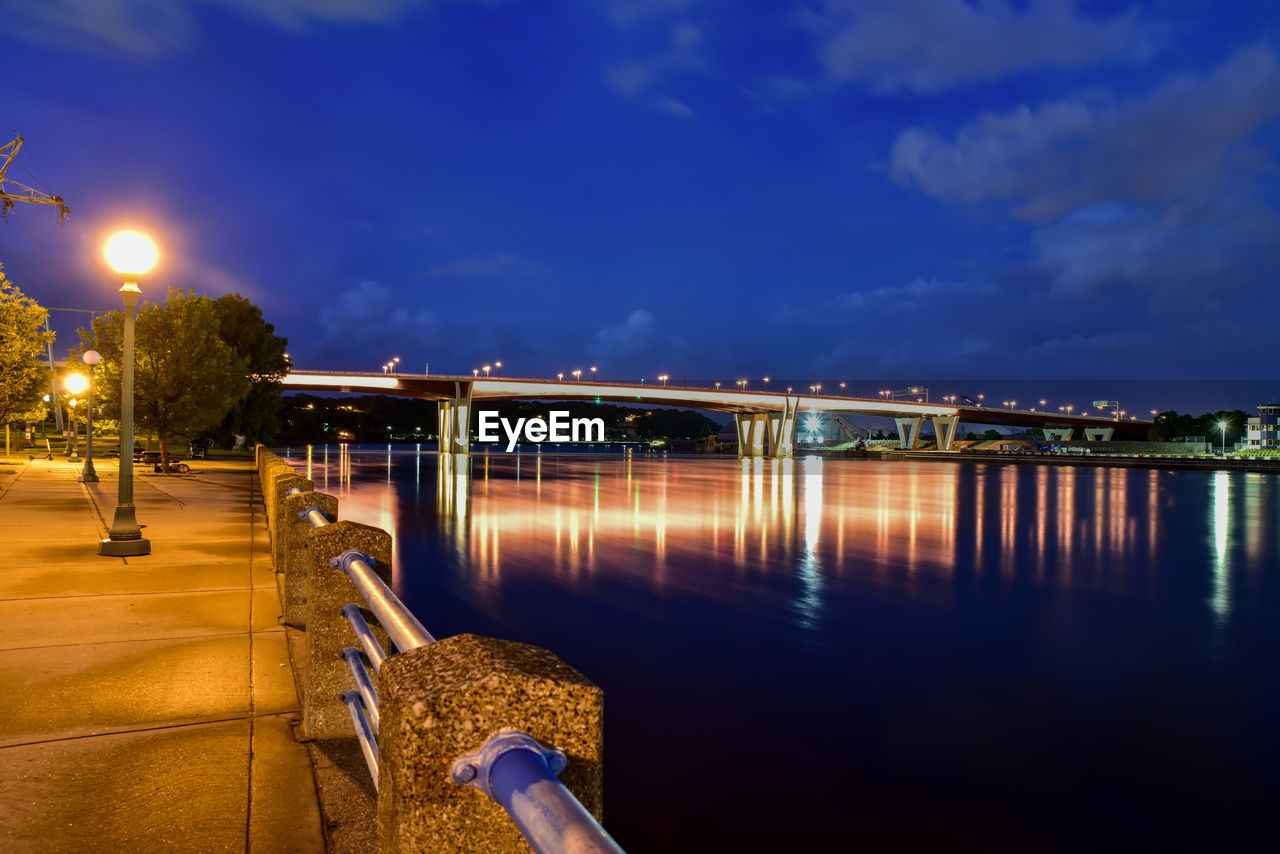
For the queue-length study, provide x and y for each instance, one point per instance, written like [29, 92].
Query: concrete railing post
[282, 480]
[297, 553]
[445, 699]
[324, 715]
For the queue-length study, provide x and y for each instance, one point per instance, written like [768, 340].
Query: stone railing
[473, 743]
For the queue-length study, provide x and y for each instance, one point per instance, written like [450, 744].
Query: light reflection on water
[999, 633]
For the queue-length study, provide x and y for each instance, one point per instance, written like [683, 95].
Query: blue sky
[821, 189]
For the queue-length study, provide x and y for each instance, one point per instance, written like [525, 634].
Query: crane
[23, 193]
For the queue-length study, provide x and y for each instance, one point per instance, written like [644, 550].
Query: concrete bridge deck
[148, 702]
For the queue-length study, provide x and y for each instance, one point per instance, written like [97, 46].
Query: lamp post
[1223, 425]
[486, 369]
[593, 373]
[577, 375]
[498, 367]
[131, 254]
[87, 474]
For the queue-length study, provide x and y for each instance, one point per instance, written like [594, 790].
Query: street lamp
[577, 374]
[486, 370]
[717, 383]
[593, 373]
[75, 384]
[475, 372]
[87, 474]
[131, 254]
[664, 378]
[1223, 425]
[498, 367]
[560, 376]
[766, 383]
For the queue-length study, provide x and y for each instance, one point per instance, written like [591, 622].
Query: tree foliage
[1172, 425]
[185, 376]
[242, 327]
[22, 344]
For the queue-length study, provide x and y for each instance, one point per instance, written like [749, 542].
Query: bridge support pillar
[752, 427]
[1098, 434]
[1059, 434]
[782, 430]
[455, 421]
[908, 432]
[944, 428]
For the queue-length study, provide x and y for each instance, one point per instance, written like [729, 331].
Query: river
[839, 653]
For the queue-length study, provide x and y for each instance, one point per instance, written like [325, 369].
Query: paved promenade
[148, 703]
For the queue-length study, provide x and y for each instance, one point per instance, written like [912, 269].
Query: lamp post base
[88, 478]
[125, 548]
[124, 538]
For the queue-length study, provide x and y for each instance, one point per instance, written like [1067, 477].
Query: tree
[241, 327]
[185, 376]
[22, 343]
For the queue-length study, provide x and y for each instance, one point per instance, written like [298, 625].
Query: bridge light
[577, 374]
[486, 370]
[475, 372]
[560, 376]
[498, 365]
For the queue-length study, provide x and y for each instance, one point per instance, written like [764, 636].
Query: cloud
[1201, 252]
[927, 46]
[911, 296]
[672, 106]
[638, 343]
[1183, 141]
[372, 321]
[164, 26]
[681, 53]
[501, 264]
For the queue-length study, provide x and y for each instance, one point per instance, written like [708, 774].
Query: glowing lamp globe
[76, 383]
[91, 357]
[131, 253]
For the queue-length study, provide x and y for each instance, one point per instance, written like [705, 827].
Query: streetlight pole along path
[88, 474]
[131, 254]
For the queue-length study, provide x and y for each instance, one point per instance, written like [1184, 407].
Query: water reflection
[703, 526]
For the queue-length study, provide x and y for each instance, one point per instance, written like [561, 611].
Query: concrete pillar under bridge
[908, 432]
[768, 434]
[944, 430]
[1059, 434]
[1098, 434]
[454, 421]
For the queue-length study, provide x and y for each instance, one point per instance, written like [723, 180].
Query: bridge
[765, 419]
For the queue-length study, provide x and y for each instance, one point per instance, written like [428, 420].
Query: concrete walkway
[147, 703]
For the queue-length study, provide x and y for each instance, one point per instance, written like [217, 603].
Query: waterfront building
[1263, 431]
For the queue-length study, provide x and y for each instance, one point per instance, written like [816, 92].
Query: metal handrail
[511, 767]
[368, 694]
[364, 733]
[364, 634]
[393, 615]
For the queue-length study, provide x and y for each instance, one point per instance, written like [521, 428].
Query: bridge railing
[457, 733]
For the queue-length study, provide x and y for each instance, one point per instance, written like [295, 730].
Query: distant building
[1263, 431]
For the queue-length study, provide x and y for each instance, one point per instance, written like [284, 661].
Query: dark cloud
[638, 341]
[1183, 142]
[934, 45]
